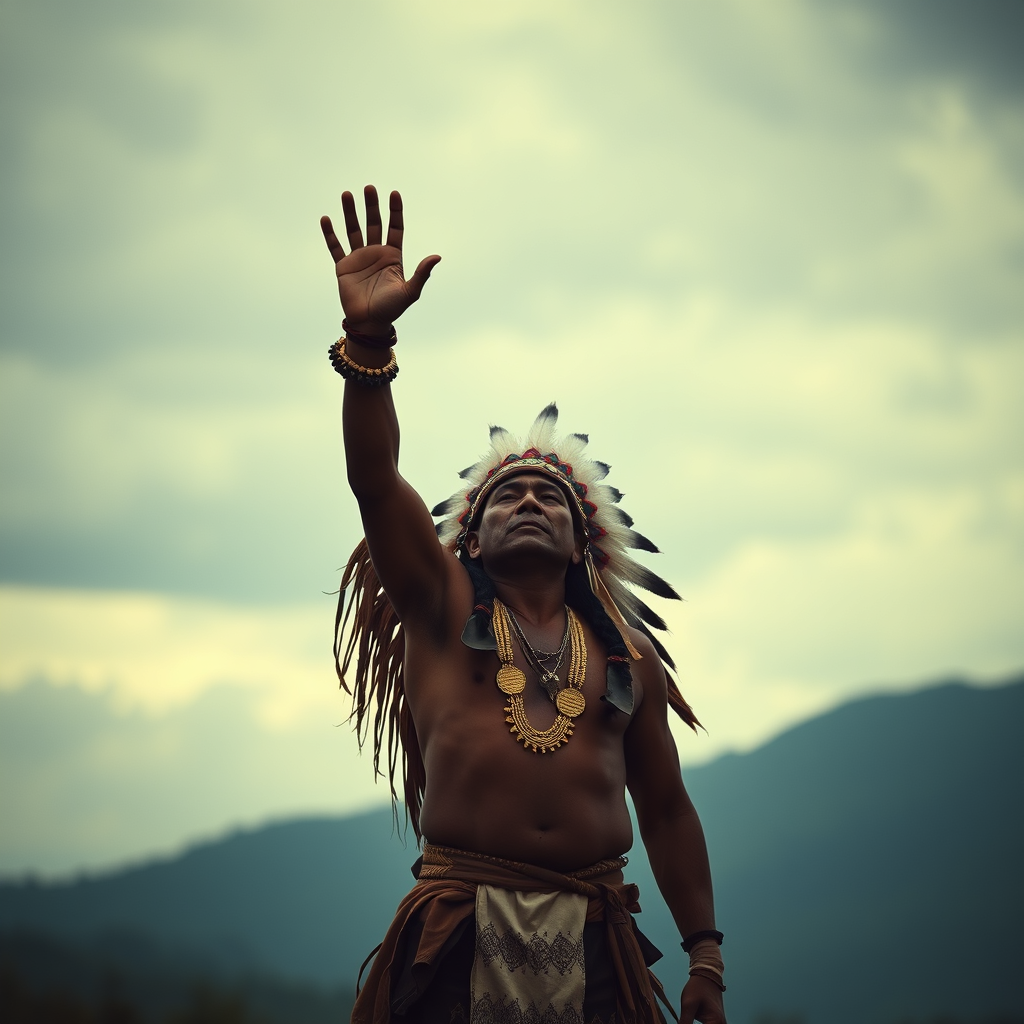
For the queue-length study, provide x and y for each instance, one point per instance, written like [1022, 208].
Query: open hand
[371, 282]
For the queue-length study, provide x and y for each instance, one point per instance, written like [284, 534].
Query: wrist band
[381, 342]
[371, 376]
[691, 940]
[706, 960]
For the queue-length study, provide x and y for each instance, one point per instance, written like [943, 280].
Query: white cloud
[919, 588]
[155, 653]
[134, 722]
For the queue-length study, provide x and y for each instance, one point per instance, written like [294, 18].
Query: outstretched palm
[371, 282]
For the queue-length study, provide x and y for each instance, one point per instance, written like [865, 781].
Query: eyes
[545, 495]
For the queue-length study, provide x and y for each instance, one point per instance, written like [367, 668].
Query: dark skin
[563, 810]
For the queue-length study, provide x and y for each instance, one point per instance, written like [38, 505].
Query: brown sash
[445, 896]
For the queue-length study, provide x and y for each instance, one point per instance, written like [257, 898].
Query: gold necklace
[512, 681]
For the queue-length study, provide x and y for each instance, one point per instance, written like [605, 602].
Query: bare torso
[485, 792]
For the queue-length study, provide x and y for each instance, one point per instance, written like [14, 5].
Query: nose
[528, 503]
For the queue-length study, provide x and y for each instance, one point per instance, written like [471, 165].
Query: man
[524, 703]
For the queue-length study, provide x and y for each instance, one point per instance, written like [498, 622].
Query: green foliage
[210, 1006]
[991, 1018]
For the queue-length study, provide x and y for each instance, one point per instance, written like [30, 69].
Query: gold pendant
[570, 702]
[511, 679]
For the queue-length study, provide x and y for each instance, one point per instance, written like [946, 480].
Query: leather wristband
[691, 940]
[382, 342]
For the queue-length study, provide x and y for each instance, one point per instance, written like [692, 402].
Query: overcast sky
[768, 256]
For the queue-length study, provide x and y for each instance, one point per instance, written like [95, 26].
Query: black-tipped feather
[585, 438]
[654, 583]
[658, 645]
[446, 507]
[648, 614]
[639, 541]
[549, 412]
[463, 473]
[622, 515]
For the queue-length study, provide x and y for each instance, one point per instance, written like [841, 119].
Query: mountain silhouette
[866, 862]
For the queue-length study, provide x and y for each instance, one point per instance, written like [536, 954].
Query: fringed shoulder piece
[367, 630]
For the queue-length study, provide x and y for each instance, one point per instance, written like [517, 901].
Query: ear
[579, 549]
[472, 544]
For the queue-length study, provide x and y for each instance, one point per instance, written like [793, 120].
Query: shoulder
[649, 668]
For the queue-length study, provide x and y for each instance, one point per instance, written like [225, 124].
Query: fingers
[333, 245]
[374, 227]
[420, 275]
[352, 229]
[396, 223]
[373, 224]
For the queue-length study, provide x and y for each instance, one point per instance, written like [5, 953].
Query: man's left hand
[701, 1000]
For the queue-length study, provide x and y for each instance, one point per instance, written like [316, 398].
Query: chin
[536, 545]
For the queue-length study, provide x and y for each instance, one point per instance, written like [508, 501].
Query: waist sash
[529, 923]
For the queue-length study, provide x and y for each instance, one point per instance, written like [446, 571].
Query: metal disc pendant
[511, 679]
[570, 702]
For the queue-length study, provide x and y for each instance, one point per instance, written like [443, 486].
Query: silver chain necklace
[538, 660]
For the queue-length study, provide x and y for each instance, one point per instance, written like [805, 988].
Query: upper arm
[652, 760]
[409, 561]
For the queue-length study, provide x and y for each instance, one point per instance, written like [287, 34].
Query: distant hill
[128, 978]
[867, 869]
[868, 862]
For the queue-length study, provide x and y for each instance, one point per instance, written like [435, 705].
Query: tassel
[598, 587]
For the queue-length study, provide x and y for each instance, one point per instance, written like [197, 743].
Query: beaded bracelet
[371, 376]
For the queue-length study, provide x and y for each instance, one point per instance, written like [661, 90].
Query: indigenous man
[515, 671]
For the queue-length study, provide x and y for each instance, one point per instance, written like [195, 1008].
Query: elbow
[373, 489]
[371, 483]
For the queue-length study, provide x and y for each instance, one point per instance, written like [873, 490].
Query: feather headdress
[607, 527]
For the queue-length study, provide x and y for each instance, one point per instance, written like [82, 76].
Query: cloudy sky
[767, 255]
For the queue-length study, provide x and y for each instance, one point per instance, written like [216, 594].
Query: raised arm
[374, 293]
[670, 828]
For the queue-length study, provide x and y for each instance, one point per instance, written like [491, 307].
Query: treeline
[997, 1018]
[48, 981]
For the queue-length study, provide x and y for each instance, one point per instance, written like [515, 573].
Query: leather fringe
[376, 641]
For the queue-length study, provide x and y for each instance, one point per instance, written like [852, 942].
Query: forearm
[370, 426]
[679, 859]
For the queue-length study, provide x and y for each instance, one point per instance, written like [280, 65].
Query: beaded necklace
[512, 681]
